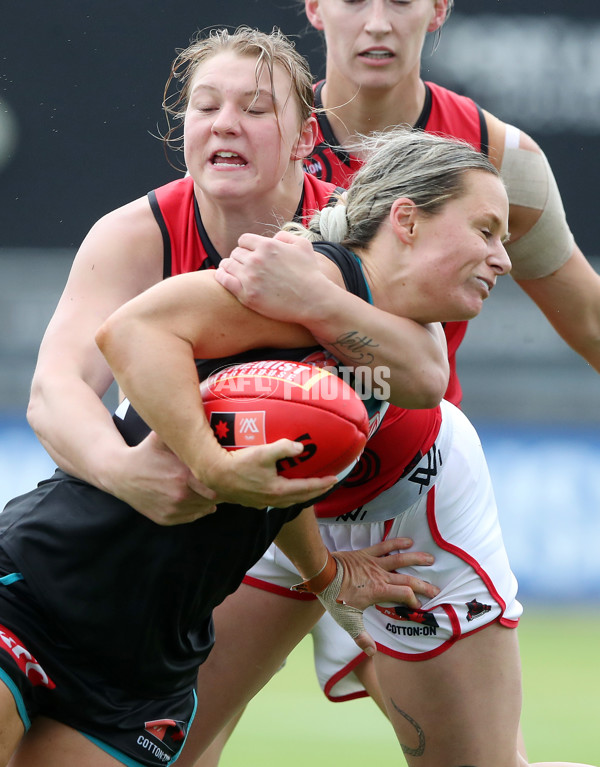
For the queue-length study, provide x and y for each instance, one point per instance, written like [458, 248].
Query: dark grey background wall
[80, 97]
[82, 82]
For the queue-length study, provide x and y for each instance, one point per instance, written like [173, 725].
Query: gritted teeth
[223, 157]
[379, 54]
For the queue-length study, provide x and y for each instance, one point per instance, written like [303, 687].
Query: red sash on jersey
[403, 438]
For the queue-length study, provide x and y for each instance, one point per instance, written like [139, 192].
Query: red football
[256, 403]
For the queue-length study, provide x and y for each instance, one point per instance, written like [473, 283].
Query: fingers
[366, 643]
[403, 595]
[304, 489]
[288, 237]
[227, 280]
[418, 585]
[201, 489]
[282, 448]
[248, 241]
[389, 558]
[405, 559]
[155, 442]
[385, 547]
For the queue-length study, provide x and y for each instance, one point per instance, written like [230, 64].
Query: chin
[466, 313]
[473, 312]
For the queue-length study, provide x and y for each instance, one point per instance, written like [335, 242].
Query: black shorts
[48, 677]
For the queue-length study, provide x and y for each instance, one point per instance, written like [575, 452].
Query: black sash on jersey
[349, 265]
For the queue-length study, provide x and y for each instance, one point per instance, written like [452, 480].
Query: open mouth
[486, 283]
[229, 159]
[377, 55]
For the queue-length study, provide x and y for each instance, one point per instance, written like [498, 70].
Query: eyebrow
[498, 223]
[254, 92]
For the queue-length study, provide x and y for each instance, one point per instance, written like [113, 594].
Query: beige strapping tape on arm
[530, 183]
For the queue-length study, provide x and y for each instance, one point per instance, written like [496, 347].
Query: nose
[499, 260]
[226, 120]
[378, 22]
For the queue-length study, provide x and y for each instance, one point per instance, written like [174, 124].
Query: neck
[353, 111]
[225, 220]
[391, 288]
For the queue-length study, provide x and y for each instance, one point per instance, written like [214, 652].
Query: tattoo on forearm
[420, 749]
[355, 347]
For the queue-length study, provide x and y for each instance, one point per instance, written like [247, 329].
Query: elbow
[107, 336]
[34, 408]
[435, 388]
[117, 339]
[103, 336]
[434, 384]
[425, 398]
[38, 409]
[422, 392]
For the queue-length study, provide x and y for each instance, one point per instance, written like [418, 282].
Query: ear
[306, 140]
[311, 7]
[404, 219]
[439, 15]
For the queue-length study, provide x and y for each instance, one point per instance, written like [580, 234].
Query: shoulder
[501, 134]
[127, 242]
[130, 225]
[342, 267]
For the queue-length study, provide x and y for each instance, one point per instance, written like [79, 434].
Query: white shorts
[457, 522]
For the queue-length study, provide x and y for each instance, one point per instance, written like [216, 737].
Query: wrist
[321, 579]
[317, 314]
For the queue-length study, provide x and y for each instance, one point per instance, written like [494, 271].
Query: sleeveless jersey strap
[350, 267]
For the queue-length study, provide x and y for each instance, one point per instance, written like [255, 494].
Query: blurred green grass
[290, 721]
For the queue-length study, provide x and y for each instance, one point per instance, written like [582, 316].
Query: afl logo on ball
[243, 429]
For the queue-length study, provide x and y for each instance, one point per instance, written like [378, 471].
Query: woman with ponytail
[422, 229]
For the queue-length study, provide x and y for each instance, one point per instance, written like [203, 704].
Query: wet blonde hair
[426, 168]
[270, 50]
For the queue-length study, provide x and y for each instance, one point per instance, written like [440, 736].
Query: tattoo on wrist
[355, 347]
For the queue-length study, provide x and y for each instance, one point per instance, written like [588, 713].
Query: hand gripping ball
[256, 403]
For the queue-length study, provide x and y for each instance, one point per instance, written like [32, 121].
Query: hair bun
[333, 223]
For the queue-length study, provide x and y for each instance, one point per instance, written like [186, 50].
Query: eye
[204, 106]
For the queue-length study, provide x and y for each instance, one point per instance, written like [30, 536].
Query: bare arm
[71, 375]
[547, 264]
[120, 257]
[283, 278]
[151, 343]
[570, 299]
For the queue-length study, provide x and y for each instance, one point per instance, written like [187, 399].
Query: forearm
[409, 356]
[157, 373]
[68, 416]
[300, 540]
[282, 278]
[570, 299]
